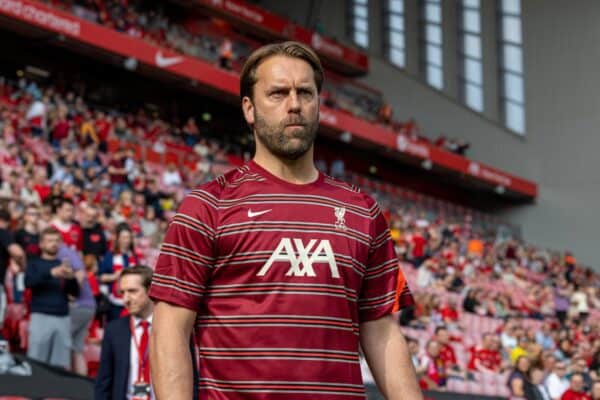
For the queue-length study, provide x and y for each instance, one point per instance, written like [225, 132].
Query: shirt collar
[138, 320]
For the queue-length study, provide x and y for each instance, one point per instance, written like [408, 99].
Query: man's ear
[248, 109]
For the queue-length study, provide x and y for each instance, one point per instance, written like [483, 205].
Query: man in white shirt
[124, 368]
[557, 382]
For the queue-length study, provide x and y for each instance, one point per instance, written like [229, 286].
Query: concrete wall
[562, 91]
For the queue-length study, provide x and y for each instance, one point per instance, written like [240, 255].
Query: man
[118, 173]
[544, 338]
[94, 239]
[536, 390]
[9, 250]
[447, 354]
[486, 357]
[63, 222]
[51, 282]
[281, 269]
[557, 382]
[124, 369]
[81, 311]
[579, 366]
[28, 237]
[431, 368]
[576, 390]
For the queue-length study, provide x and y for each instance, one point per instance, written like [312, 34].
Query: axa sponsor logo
[301, 257]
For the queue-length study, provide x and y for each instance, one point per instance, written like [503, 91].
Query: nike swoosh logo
[256, 214]
[165, 62]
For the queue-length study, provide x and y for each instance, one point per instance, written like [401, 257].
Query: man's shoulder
[116, 326]
[216, 189]
[350, 193]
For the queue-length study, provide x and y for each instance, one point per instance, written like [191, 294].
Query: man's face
[285, 109]
[560, 369]
[88, 216]
[577, 383]
[65, 212]
[49, 244]
[32, 215]
[413, 347]
[135, 296]
[433, 349]
[442, 336]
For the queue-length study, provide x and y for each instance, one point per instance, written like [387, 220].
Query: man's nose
[293, 102]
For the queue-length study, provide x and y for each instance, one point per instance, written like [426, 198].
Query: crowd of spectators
[73, 214]
[544, 307]
[207, 39]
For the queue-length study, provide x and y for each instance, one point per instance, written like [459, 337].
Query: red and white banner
[33, 13]
[282, 28]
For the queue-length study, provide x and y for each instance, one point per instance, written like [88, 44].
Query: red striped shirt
[281, 276]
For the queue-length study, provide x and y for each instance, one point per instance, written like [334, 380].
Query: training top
[280, 276]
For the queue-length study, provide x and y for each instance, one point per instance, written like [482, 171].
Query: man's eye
[305, 93]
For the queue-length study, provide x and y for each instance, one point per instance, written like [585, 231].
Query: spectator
[579, 366]
[28, 193]
[564, 350]
[596, 390]
[595, 365]
[471, 302]
[431, 368]
[94, 239]
[171, 176]
[561, 300]
[447, 354]
[9, 189]
[544, 338]
[29, 239]
[226, 54]
[149, 224]
[413, 349]
[508, 337]
[9, 251]
[537, 390]
[36, 116]
[64, 222]
[418, 245]
[522, 349]
[576, 390]
[426, 275]
[28, 235]
[579, 300]
[557, 382]
[486, 357]
[122, 256]
[51, 282]
[518, 380]
[118, 173]
[191, 133]
[82, 310]
[124, 369]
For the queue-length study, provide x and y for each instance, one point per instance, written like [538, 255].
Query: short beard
[278, 143]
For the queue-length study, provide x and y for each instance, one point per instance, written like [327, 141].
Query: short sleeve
[187, 255]
[384, 289]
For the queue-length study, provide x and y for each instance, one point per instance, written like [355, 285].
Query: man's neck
[47, 256]
[299, 171]
[145, 313]
[30, 228]
[59, 222]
